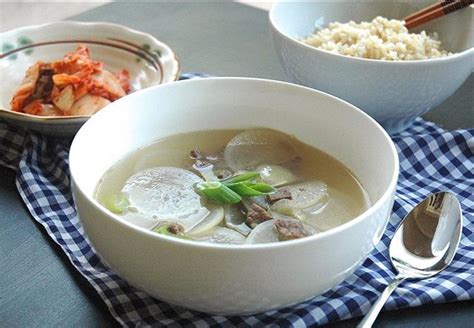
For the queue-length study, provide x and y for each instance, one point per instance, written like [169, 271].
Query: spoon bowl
[423, 245]
[428, 237]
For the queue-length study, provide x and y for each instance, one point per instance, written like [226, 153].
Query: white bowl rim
[80, 118]
[249, 247]
[455, 55]
[25, 117]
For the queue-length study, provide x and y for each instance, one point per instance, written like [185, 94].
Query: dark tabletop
[39, 287]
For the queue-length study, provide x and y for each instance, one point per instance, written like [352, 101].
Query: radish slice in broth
[215, 217]
[220, 235]
[139, 219]
[264, 233]
[267, 233]
[235, 219]
[166, 193]
[308, 196]
[276, 175]
[252, 148]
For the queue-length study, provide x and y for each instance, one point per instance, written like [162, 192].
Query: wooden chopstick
[439, 4]
[439, 9]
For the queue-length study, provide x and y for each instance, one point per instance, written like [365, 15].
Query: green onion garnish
[249, 189]
[231, 190]
[247, 176]
[218, 192]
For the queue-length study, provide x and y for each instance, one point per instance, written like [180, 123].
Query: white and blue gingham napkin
[431, 160]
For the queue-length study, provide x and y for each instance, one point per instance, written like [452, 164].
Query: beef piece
[280, 194]
[196, 154]
[175, 229]
[44, 84]
[256, 215]
[290, 229]
[170, 228]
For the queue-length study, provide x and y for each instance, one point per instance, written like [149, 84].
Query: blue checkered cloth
[431, 160]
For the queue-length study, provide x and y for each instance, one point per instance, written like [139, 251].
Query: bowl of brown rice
[363, 53]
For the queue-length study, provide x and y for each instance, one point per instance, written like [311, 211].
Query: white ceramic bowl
[228, 279]
[149, 62]
[394, 93]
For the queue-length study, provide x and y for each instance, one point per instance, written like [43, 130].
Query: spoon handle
[370, 317]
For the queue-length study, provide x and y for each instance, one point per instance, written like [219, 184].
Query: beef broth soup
[233, 187]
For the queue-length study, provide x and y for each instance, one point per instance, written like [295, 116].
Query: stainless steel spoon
[423, 245]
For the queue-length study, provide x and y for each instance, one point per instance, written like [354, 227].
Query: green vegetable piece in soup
[218, 192]
[262, 188]
[244, 177]
[249, 189]
[116, 203]
[231, 191]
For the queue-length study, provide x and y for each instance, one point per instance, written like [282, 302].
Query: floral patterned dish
[149, 62]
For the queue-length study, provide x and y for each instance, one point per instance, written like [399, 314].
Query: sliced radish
[235, 219]
[263, 233]
[219, 235]
[252, 148]
[267, 233]
[309, 196]
[215, 216]
[276, 175]
[166, 193]
[139, 219]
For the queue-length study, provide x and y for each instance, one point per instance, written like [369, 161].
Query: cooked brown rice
[380, 39]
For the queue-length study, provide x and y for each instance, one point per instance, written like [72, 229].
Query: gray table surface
[39, 287]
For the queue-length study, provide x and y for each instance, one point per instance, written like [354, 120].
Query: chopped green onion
[218, 192]
[243, 190]
[116, 203]
[263, 188]
[231, 190]
[249, 189]
[248, 176]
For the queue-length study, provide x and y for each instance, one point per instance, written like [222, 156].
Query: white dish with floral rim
[149, 62]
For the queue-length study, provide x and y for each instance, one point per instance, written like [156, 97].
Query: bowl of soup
[233, 195]
[361, 52]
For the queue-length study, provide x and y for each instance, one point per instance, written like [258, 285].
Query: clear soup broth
[232, 186]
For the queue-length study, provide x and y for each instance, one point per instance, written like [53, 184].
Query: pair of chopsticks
[434, 11]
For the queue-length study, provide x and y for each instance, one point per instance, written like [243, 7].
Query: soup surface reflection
[232, 186]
